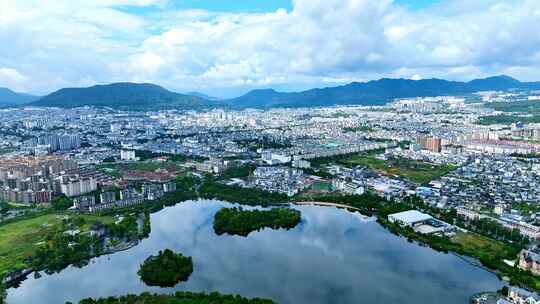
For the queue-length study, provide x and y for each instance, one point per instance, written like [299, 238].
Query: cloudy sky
[225, 47]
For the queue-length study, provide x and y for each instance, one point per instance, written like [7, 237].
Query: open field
[473, 242]
[20, 239]
[525, 106]
[415, 171]
[507, 119]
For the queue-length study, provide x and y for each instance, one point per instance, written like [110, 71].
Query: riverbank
[52, 242]
[489, 252]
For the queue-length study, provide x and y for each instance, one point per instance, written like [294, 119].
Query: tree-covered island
[237, 221]
[166, 269]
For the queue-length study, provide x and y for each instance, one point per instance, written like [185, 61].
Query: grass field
[473, 242]
[415, 171]
[526, 106]
[20, 239]
[507, 119]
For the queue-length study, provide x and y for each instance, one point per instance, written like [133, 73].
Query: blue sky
[251, 5]
[227, 47]
[269, 5]
[236, 5]
[417, 4]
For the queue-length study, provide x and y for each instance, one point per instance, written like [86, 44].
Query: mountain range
[11, 98]
[377, 92]
[123, 95]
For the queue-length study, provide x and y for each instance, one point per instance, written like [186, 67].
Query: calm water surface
[333, 256]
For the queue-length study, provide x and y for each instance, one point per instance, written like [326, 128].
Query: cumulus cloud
[319, 42]
[12, 78]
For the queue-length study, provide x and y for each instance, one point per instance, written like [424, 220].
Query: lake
[332, 256]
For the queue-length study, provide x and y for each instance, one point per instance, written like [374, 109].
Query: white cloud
[11, 78]
[320, 42]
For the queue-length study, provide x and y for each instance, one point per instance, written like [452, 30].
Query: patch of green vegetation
[415, 171]
[507, 119]
[321, 186]
[22, 239]
[19, 240]
[69, 244]
[473, 243]
[61, 203]
[6, 150]
[317, 162]
[178, 298]
[516, 106]
[526, 208]
[166, 269]
[236, 221]
[249, 196]
[236, 172]
[118, 169]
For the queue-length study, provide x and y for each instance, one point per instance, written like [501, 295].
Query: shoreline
[24, 273]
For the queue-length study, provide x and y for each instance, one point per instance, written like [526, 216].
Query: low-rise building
[84, 202]
[409, 218]
[521, 296]
[530, 260]
[169, 187]
[128, 155]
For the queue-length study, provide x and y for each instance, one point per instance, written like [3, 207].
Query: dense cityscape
[269, 152]
[473, 179]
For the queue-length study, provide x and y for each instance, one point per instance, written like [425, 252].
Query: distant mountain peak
[375, 92]
[9, 97]
[202, 95]
[121, 95]
[262, 91]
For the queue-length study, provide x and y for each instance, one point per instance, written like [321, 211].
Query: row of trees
[242, 222]
[177, 298]
[494, 230]
[368, 203]
[215, 190]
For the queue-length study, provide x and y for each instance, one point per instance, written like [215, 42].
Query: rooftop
[411, 216]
